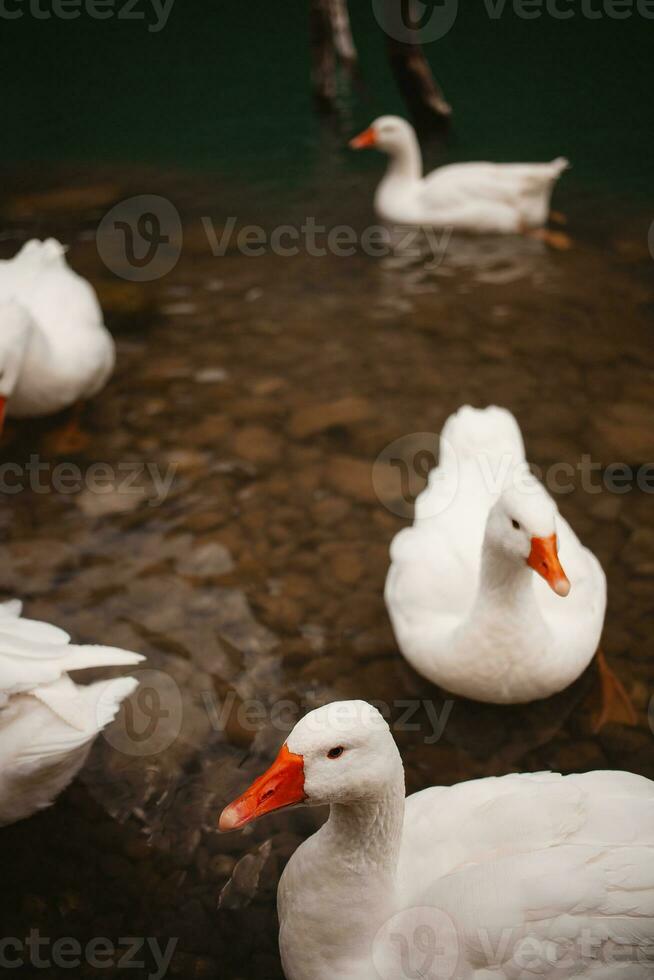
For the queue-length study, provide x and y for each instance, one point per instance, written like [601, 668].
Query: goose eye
[516, 525]
[334, 753]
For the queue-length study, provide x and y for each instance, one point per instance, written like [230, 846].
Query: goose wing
[33, 653]
[527, 867]
[506, 183]
[45, 737]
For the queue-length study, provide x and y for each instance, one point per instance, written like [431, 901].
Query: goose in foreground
[467, 610]
[48, 722]
[533, 875]
[54, 348]
[469, 197]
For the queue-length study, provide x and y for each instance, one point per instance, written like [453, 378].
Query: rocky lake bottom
[251, 411]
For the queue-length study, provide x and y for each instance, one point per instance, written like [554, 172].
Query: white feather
[54, 347]
[48, 722]
[470, 197]
[519, 877]
[527, 644]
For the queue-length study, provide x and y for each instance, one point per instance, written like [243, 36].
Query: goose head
[340, 753]
[15, 331]
[391, 134]
[522, 526]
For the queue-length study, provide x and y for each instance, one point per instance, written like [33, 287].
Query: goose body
[477, 197]
[54, 347]
[467, 610]
[532, 875]
[48, 722]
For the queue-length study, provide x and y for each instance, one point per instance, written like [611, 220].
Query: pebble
[179, 309]
[268, 386]
[346, 566]
[115, 501]
[244, 882]
[329, 510]
[209, 559]
[352, 477]
[211, 375]
[639, 549]
[257, 444]
[312, 419]
[606, 507]
[222, 865]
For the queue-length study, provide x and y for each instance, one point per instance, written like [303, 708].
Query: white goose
[54, 348]
[47, 722]
[534, 875]
[469, 197]
[467, 610]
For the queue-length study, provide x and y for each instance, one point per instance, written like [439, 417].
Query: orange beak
[3, 405]
[544, 559]
[281, 785]
[365, 139]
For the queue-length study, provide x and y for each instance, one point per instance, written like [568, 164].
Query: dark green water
[225, 87]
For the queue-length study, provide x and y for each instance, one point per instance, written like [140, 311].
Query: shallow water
[254, 585]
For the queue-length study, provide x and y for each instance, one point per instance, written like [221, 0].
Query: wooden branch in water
[413, 74]
[343, 40]
[331, 44]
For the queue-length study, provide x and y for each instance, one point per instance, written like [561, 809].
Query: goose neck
[366, 835]
[504, 578]
[405, 160]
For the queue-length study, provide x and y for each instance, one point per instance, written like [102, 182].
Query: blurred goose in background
[469, 197]
[471, 881]
[54, 348]
[47, 722]
[467, 611]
